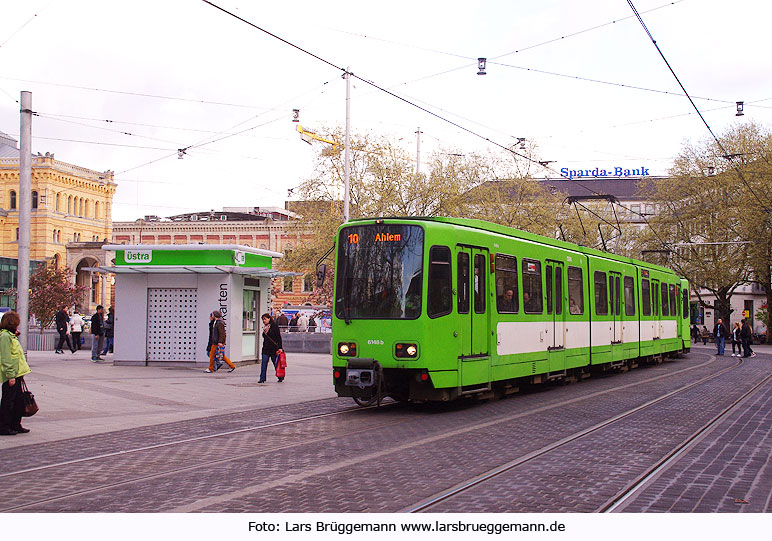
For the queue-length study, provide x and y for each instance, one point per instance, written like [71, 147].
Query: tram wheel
[365, 402]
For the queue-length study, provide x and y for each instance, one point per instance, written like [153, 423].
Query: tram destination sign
[571, 174]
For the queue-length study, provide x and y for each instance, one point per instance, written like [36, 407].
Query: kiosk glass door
[249, 324]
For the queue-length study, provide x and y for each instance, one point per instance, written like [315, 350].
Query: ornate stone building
[71, 207]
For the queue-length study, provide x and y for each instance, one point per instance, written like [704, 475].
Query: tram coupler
[362, 373]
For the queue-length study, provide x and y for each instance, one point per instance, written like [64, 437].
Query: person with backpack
[217, 336]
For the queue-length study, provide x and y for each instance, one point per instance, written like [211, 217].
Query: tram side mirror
[321, 272]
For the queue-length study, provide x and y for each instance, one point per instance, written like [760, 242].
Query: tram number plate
[360, 378]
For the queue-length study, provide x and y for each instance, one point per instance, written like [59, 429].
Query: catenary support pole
[25, 211]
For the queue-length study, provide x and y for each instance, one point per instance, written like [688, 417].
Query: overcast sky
[122, 85]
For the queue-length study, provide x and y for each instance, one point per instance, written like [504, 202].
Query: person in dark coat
[98, 332]
[62, 326]
[272, 345]
[217, 336]
[745, 337]
[282, 322]
[109, 333]
[721, 334]
[695, 333]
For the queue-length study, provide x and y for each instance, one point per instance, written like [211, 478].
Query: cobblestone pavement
[383, 460]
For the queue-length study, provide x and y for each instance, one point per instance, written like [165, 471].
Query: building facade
[71, 205]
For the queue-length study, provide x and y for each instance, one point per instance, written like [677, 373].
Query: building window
[287, 283]
[34, 199]
[57, 202]
[12, 203]
[17, 234]
[309, 280]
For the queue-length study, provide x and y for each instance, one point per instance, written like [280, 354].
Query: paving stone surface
[323, 456]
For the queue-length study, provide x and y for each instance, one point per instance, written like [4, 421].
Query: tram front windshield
[379, 272]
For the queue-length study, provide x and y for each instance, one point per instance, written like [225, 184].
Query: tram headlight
[347, 349]
[406, 351]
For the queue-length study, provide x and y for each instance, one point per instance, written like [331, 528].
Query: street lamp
[481, 66]
[740, 108]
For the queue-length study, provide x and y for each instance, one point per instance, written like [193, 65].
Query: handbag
[281, 365]
[28, 399]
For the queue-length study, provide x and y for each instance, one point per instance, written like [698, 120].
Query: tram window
[663, 288]
[558, 290]
[645, 297]
[479, 284]
[629, 296]
[439, 299]
[601, 294]
[654, 298]
[673, 301]
[617, 297]
[532, 294]
[575, 291]
[463, 283]
[685, 312]
[548, 276]
[506, 284]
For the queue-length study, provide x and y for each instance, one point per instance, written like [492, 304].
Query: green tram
[433, 309]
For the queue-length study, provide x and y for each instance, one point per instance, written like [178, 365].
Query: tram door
[474, 335]
[655, 312]
[556, 309]
[615, 311]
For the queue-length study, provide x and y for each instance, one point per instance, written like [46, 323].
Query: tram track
[463, 487]
[618, 502]
[53, 468]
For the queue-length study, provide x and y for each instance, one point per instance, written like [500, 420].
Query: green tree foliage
[714, 214]
[50, 290]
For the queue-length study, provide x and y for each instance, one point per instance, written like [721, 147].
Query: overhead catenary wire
[715, 138]
[390, 93]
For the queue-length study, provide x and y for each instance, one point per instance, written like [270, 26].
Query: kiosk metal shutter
[171, 319]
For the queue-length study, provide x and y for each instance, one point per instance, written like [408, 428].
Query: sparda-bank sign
[571, 174]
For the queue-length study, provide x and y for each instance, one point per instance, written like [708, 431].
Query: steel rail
[495, 472]
[617, 503]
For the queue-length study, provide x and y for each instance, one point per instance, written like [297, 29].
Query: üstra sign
[138, 256]
[571, 174]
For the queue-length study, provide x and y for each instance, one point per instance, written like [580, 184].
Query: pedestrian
[303, 323]
[98, 333]
[704, 335]
[282, 322]
[695, 333]
[293, 324]
[109, 333]
[217, 337]
[13, 368]
[311, 324]
[745, 336]
[736, 340]
[720, 332]
[272, 345]
[76, 327]
[62, 326]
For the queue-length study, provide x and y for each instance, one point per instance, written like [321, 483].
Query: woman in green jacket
[13, 368]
